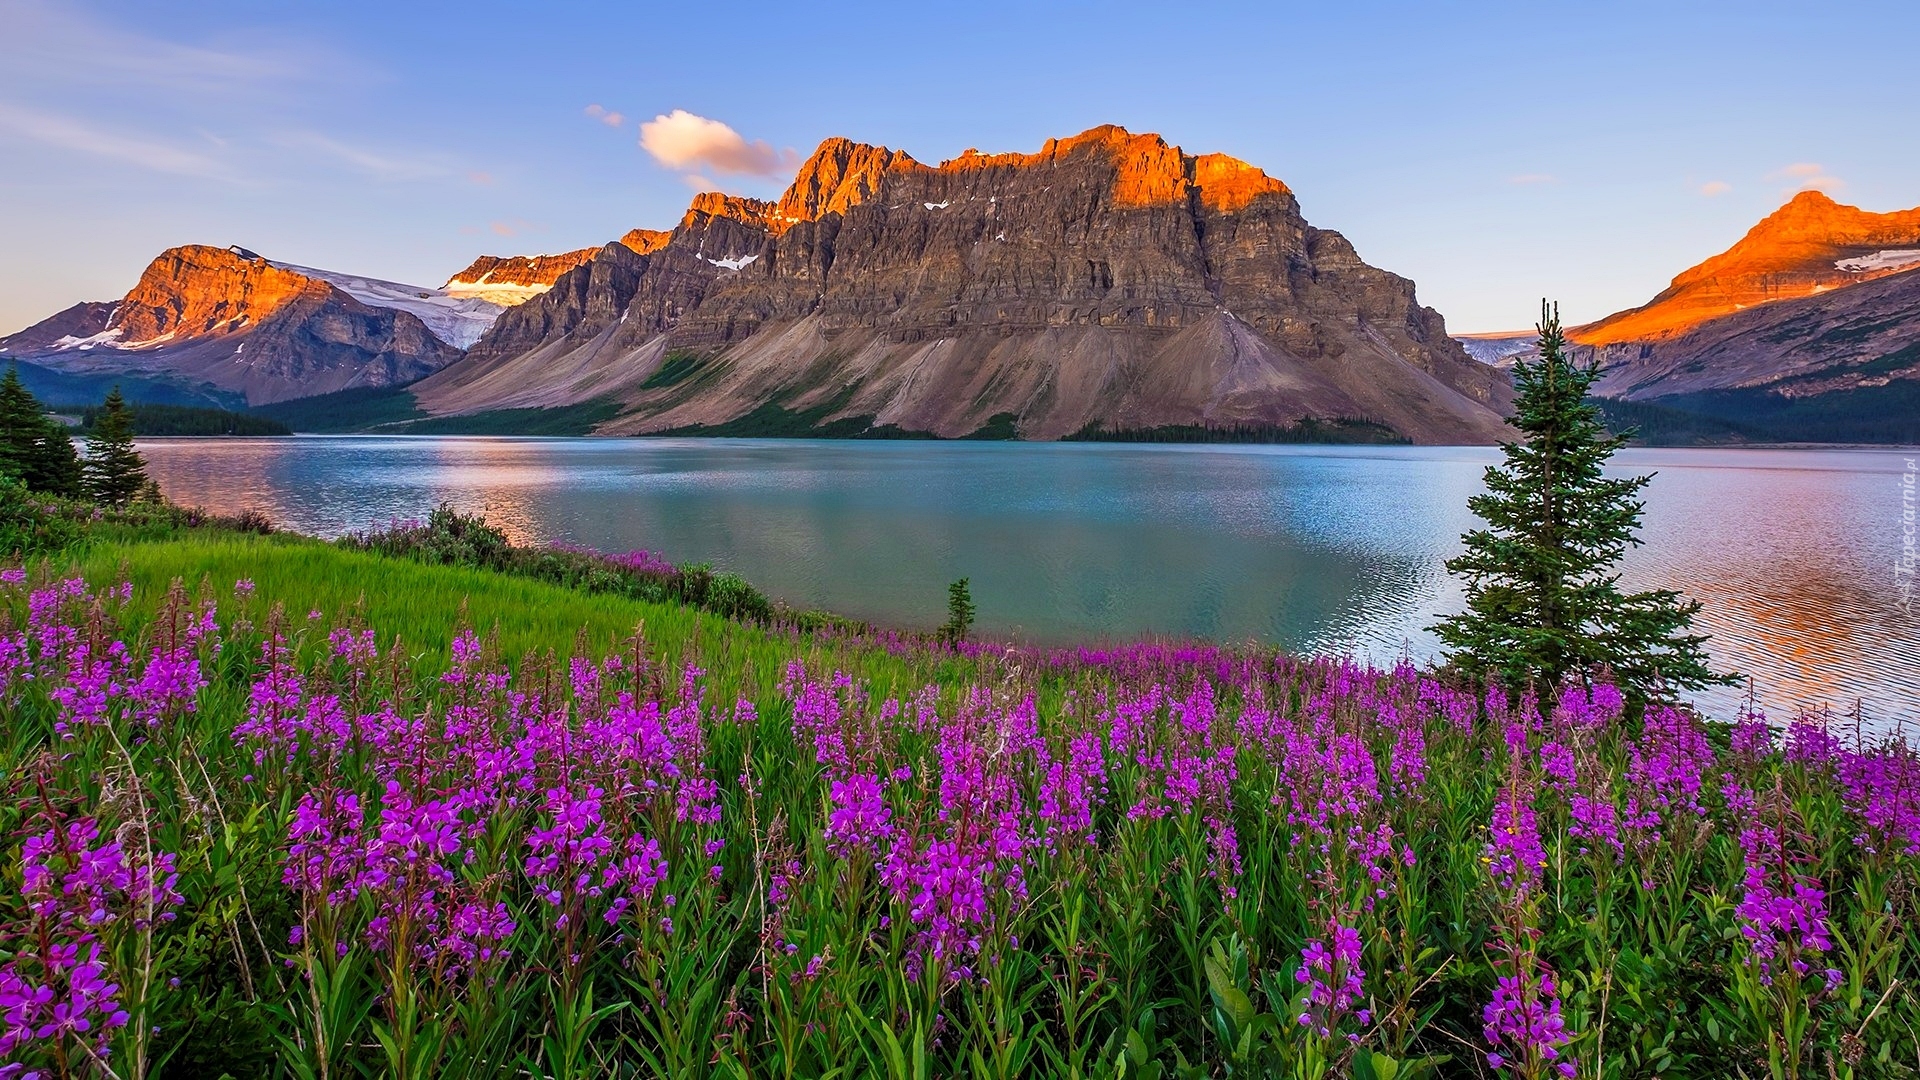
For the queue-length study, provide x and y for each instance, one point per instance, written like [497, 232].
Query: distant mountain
[514, 279]
[224, 323]
[1108, 282]
[1498, 350]
[1806, 330]
[1809, 246]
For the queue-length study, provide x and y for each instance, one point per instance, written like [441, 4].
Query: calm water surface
[1330, 549]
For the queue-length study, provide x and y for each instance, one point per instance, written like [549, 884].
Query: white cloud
[605, 115]
[69, 133]
[1808, 176]
[682, 140]
[1715, 187]
[1533, 178]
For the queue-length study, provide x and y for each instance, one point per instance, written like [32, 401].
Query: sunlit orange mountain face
[1809, 246]
[1807, 330]
[1109, 281]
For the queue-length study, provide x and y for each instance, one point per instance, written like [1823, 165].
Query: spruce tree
[1543, 597]
[959, 612]
[34, 447]
[20, 424]
[115, 472]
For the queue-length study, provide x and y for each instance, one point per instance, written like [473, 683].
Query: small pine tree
[115, 472]
[33, 447]
[959, 612]
[1543, 598]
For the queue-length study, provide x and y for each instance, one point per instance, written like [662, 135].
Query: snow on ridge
[938, 205]
[734, 264]
[504, 293]
[1498, 350]
[104, 337]
[458, 320]
[1884, 259]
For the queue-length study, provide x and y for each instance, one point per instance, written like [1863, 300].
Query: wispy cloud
[681, 140]
[378, 164]
[1533, 178]
[1715, 187]
[70, 133]
[55, 43]
[1808, 176]
[605, 115]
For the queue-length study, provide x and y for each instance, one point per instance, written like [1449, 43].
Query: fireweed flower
[1515, 856]
[56, 981]
[1330, 970]
[858, 820]
[1523, 1023]
[1783, 913]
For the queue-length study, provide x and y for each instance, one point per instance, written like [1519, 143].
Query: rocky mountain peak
[1108, 279]
[714, 204]
[840, 175]
[643, 241]
[1811, 244]
[198, 291]
[232, 320]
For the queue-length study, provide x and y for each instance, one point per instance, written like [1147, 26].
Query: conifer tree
[33, 447]
[959, 612]
[1543, 596]
[115, 472]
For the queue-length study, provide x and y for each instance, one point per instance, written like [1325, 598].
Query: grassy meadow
[277, 807]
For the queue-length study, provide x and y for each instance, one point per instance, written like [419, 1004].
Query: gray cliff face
[1109, 279]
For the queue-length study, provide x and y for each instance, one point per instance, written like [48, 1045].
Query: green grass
[774, 421]
[999, 427]
[676, 368]
[425, 605]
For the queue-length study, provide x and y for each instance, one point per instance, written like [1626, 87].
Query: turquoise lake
[1321, 549]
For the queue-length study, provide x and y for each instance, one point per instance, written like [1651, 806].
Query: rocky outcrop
[1809, 246]
[228, 319]
[508, 280]
[1109, 280]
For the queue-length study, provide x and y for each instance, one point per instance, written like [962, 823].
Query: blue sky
[1493, 152]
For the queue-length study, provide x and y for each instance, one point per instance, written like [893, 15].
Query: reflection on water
[1332, 549]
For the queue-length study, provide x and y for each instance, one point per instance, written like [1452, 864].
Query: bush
[33, 524]
[451, 538]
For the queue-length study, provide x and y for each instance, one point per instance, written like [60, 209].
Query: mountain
[1807, 330]
[1498, 349]
[1809, 246]
[221, 323]
[1109, 281]
[507, 280]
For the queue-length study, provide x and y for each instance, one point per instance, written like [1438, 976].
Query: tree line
[37, 453]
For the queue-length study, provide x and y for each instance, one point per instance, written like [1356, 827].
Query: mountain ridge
[1107, 280]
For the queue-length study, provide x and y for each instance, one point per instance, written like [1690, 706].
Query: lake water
[1328, 549]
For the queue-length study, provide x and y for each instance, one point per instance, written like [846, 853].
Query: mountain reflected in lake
[1324, 549]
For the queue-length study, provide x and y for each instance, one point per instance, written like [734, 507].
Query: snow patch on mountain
[1498, 350]
[503, 293]
[457, 320]
[1885, 259]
